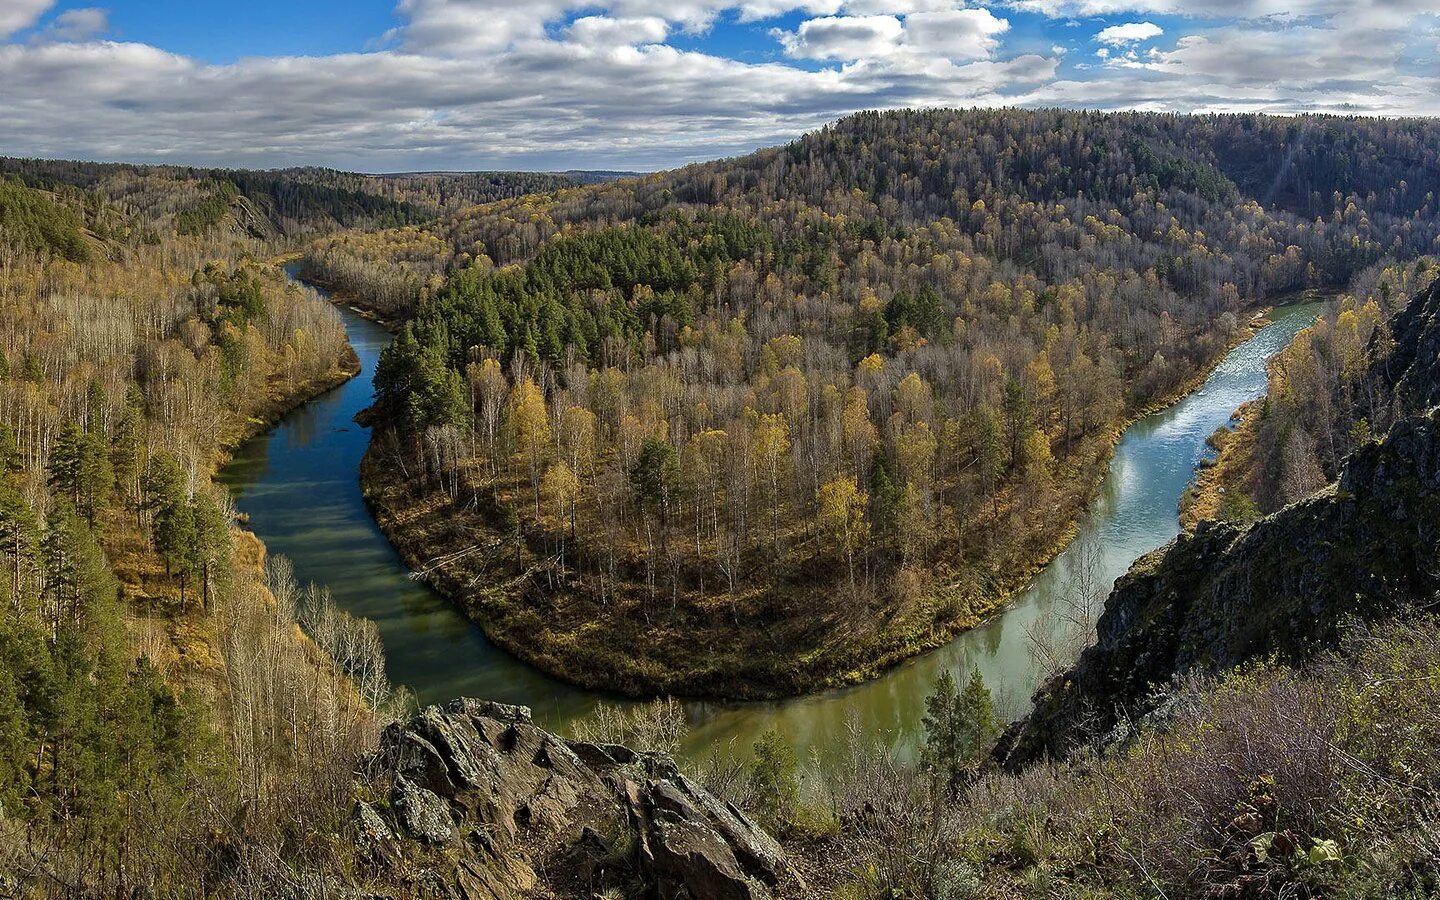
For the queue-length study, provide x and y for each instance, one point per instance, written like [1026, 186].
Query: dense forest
[774, 422]
[163, 728]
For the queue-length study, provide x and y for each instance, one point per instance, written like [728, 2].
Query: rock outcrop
[1409, 375]
[1286, 586]
[479, 802]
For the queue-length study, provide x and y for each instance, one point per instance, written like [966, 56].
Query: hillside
[780, 421]
[155, 692]
[272, 204]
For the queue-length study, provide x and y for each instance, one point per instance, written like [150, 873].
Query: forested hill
[815, 408]
[269, 204]
[1237, 193]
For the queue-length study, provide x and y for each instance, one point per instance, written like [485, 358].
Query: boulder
[482, 800]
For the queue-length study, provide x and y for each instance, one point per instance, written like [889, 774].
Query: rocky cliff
[1285, 586]
[1408, 375]
[474, 801]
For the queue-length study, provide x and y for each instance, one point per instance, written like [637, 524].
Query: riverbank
[187, 640]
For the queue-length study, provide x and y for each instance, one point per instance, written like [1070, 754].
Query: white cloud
[843, 37]
[952, 34]
[1235, 9]
[603, 31]
[899, 7]
[1129, 33]
[956, 34]
[497, 83]
[76, 25]
[17, 15]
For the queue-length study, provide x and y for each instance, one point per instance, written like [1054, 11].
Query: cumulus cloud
[1129, 33]
[955, 34]
[843, 37]
[17, 15]
[898, 7]
[76, 25]
[951, 34]
[1241, 9]
[603, 31]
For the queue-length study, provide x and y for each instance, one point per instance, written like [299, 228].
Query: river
[299, 485]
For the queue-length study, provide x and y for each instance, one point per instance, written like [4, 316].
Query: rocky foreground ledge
[473, 800]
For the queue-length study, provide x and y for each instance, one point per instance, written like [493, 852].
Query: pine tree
[125, 448]
[95, 476]
[212, 542]
[63, 467]
[177, 540]
[79, 585]
[960, 727]
[11, 462]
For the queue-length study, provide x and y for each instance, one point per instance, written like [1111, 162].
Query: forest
[160, 714]
[777, 422]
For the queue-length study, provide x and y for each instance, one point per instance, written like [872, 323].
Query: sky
[640, 85]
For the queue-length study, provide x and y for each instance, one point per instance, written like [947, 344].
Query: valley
[949, 503]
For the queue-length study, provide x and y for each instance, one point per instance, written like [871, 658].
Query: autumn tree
[841, 517]
[529, 423]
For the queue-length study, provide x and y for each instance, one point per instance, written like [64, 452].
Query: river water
[299, 485]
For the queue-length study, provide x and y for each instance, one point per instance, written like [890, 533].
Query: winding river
[299, 485]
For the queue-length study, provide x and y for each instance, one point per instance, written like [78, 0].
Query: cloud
[76, 25]
[603, 31]
[1228, 9]
[955, 34]
[843, 37]
[1129, 33]
[17, 15]
[898, 7]
[601, 83]
[952, 34]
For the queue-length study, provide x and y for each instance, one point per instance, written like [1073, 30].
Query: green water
[299, 484]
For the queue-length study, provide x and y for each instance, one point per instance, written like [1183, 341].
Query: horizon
[618, 174]
[387, 87]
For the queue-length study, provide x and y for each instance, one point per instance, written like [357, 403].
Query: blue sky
[642, 84]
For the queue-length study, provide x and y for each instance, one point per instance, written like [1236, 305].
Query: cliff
[1408, 375]
[474, 801]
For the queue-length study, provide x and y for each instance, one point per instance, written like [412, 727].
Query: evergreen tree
[95, 476]
[79, 585]
[177, 540]
[11, 463]
[960, 727]
[125, 448]
[212, 542]
[63, 467]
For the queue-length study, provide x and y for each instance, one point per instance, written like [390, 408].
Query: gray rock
[374, 839]
[422, 814]
[526, 801]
